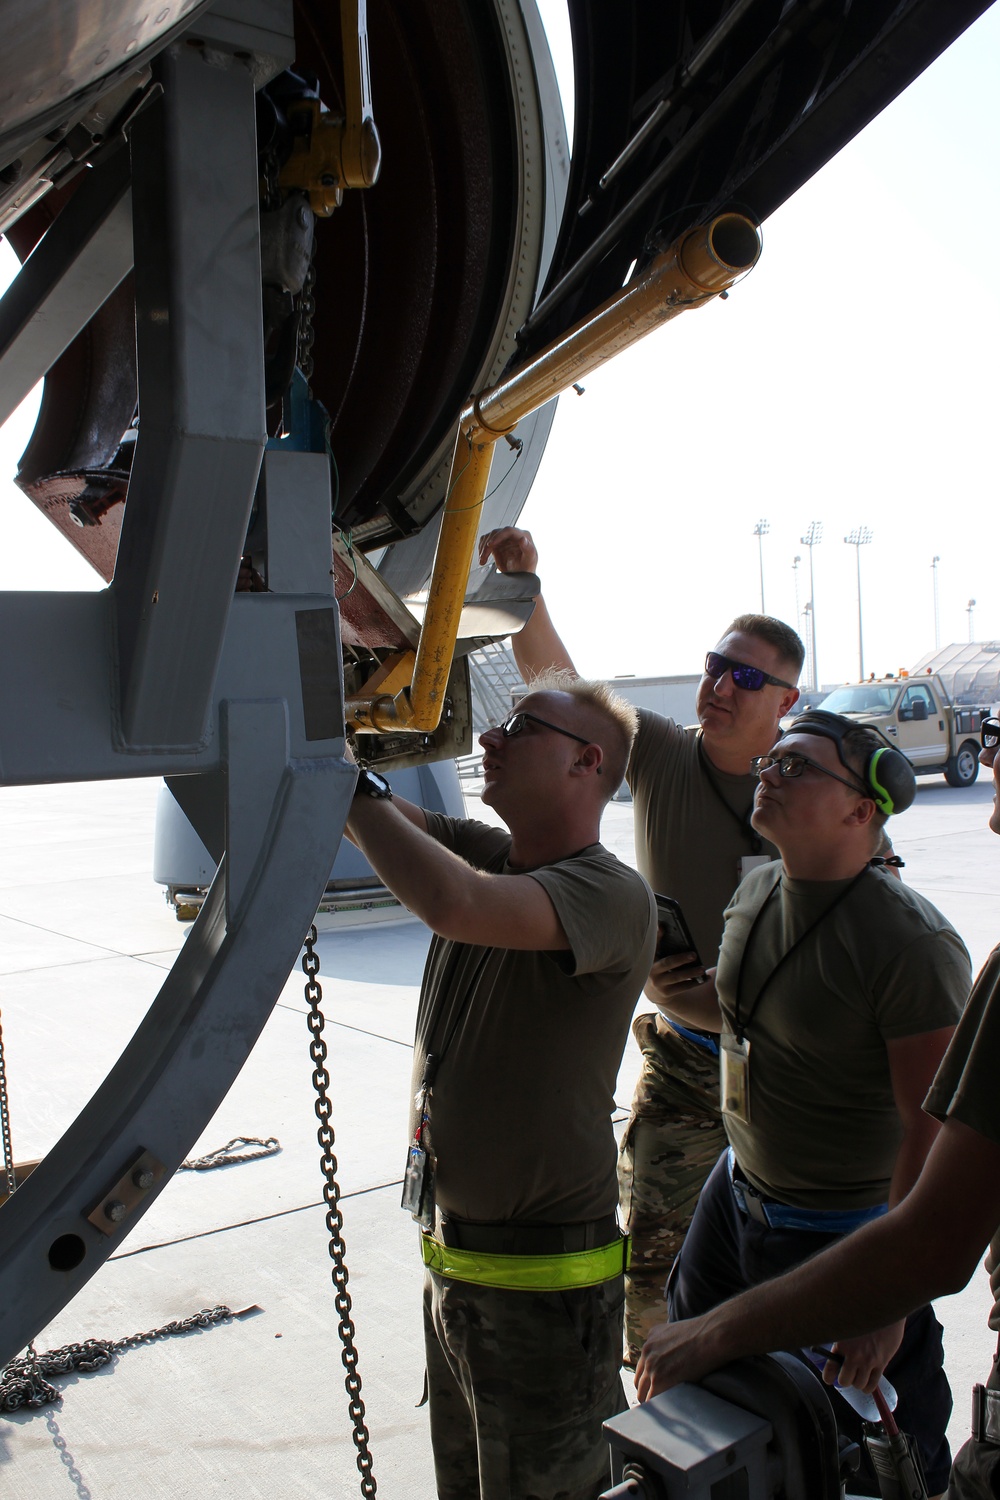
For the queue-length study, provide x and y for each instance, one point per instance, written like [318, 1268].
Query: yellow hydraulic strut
[700, 265]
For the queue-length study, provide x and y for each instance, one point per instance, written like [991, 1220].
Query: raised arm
[537, 646]
[455, 900]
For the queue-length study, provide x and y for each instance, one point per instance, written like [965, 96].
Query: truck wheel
[963, 768]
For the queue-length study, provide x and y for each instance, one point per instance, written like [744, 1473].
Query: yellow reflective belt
[528, 1273]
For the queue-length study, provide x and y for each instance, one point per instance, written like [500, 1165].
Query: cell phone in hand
[675, 935]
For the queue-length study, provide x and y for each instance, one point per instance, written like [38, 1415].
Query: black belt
[525, 1239]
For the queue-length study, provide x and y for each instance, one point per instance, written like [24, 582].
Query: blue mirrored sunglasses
[750, 679]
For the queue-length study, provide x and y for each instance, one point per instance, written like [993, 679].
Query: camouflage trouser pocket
[570, 1461]
[520, 1385]
[626, 1158]
[662, 1167]
[975, 1474]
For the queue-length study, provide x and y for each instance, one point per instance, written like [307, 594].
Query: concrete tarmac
[256, 1407]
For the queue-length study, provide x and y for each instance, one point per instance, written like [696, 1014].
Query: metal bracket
[120, 1201]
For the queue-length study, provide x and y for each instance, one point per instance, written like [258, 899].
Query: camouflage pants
[975, 1474]
[671, 1144]
[519, 1385]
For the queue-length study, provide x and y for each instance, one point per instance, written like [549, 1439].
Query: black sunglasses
[989, 733]
[517, 721]
[750, 679]
[791, 766]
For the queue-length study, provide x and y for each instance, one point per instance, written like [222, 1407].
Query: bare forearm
[452, 897]
[926, 1247]
[913, 1149]
[869, 1280]
[410, 811]
[427, 878]
[696, 1006]
[538, 646]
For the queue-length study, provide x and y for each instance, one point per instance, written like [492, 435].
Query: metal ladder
[496, 683]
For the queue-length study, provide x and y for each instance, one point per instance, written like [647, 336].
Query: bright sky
[850, 380]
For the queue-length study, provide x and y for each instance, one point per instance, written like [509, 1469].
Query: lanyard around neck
[756, 842]
[741, 1024]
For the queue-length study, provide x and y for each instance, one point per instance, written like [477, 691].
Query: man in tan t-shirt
[836, 994]
[927, 1246]
[542, 942]
[693, 792]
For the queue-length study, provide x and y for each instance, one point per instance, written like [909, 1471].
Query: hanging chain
[307, 333]
[270, 193]
[8, 1149]
[23, 1383]
[270, 201]
[30, 1359]
[334, 1217]
[232, 1152]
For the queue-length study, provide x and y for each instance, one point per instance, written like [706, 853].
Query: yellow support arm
[700, 265]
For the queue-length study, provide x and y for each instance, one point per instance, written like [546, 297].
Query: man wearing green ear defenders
[836, 993]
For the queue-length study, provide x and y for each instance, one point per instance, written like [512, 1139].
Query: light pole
[937, 613]
[795, 575]
[968, 609]
[807, 616]
[812, 538]
[760, 531]
[859, 537]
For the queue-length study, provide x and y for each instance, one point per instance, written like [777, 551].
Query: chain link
[270, 193]
[30, 1358]
[334, 1218]
[270, 200]
[8, 1149]
[307, 334]
[23, 1382]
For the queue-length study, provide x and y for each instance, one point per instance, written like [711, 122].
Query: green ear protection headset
[888, 776]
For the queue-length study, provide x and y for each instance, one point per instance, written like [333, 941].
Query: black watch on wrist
[371, 784]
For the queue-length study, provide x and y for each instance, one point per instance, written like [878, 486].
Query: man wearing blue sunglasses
[693, 793]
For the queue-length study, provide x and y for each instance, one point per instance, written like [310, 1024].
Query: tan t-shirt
[884, 963]
[691, 828]
[967, 1085]
[522, 1103]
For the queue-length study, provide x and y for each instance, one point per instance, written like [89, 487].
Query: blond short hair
[620, 716]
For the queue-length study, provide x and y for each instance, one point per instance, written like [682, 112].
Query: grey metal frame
[238, 699]
[69, 275]
[199, 347]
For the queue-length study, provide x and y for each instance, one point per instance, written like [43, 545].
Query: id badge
[735, 1058]
[418, 1187]
[750, 862]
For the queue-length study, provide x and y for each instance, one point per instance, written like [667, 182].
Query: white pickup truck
[916, 714]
